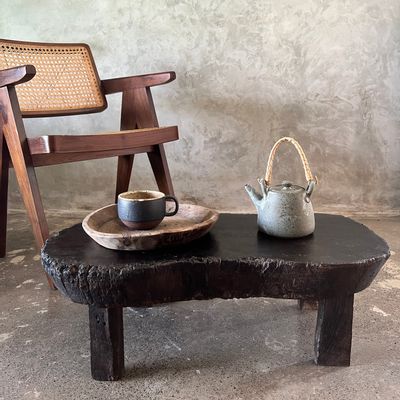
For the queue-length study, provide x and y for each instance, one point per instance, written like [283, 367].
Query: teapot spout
[255, 197]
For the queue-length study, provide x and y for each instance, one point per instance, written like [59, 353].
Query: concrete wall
[248, 72]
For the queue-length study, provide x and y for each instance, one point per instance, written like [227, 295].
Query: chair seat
[102, 141]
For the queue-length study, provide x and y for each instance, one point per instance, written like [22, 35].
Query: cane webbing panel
[66, 80]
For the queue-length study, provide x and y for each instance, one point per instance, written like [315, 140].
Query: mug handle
[171, 213]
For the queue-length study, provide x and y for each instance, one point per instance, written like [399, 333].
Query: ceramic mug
[144, 209]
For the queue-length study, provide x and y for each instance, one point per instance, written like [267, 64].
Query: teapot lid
[287, 187]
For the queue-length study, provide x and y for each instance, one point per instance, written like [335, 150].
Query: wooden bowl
[190, 223]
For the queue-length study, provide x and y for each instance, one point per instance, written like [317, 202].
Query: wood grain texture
[334, 331]
[138, 111]
[125, 163]
[159, 164]
[4, 167]
[102, 141]
[146, 117]
[190, 223]
[134, 82]
[124, 170]
[106, 343]
[40, 160]
[17, 75]
[15, 137]
[17, 144]
[233, 260]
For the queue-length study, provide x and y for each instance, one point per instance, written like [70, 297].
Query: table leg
[334, 331]
[106, 343]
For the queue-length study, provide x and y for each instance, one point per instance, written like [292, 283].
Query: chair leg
[15, 138]
[27, 182]
[158, 161]
[4, 166]
[28, 185]
[124, 170]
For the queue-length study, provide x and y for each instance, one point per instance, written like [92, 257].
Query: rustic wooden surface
[191, 222]
[234, 260]
[341, 258]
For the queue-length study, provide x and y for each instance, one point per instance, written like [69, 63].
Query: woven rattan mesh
[65, 80]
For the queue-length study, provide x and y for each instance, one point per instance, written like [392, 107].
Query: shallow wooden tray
[191, 222]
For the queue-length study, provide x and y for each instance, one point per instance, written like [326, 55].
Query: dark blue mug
[144, 209]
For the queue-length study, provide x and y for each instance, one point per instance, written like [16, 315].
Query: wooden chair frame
[138, 116]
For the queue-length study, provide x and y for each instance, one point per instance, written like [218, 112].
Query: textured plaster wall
[248, 72]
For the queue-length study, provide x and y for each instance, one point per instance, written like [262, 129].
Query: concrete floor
[221, 349]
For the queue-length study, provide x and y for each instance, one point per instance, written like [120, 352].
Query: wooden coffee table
[341, 258]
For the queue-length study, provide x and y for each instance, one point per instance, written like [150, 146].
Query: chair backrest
[66, 80]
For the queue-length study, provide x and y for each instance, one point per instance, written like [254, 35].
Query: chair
[46, 80]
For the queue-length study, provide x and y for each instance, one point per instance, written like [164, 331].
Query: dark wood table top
[233, 260]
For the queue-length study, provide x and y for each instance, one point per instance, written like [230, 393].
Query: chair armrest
[17, 75]
[134, 82]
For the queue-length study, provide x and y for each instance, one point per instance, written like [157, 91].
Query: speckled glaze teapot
[284, 210]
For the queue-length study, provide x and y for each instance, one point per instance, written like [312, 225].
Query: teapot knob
[287, 184]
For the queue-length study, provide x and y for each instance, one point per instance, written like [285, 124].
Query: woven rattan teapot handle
[311, 179]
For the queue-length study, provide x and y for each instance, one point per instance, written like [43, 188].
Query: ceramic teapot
[284, 210]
